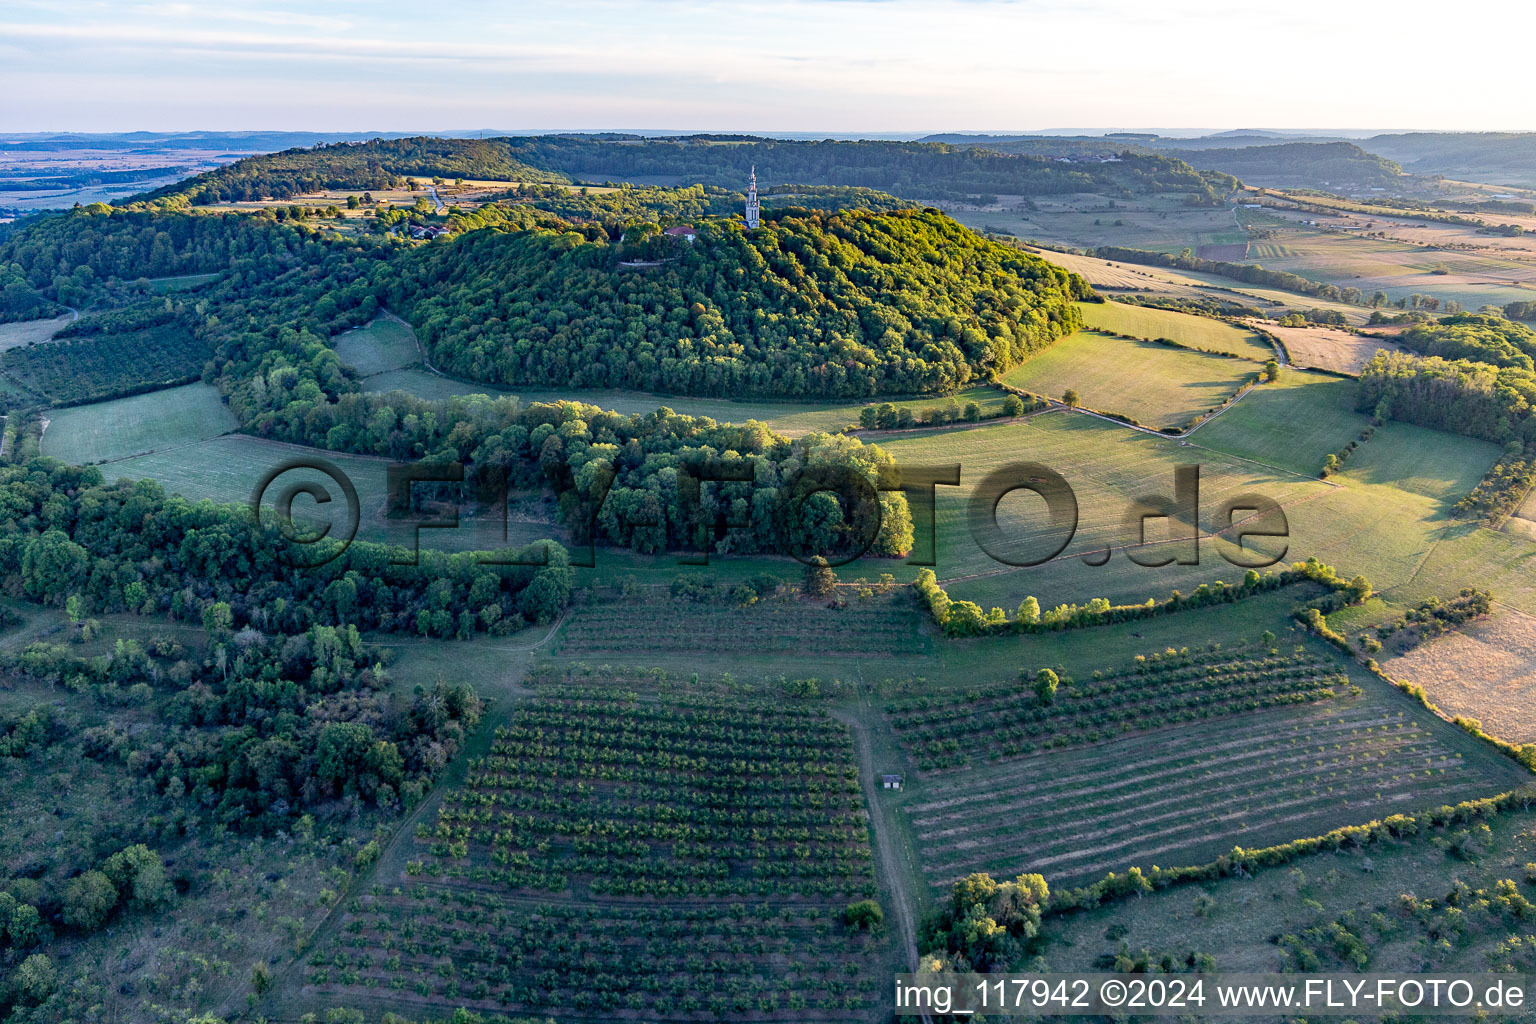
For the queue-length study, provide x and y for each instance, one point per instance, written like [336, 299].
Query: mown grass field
[1328, 348]
[123, 427]
[28, 332]
[792, 418]
[1292, 423]
[1158, 385]
[1200, 332]
[227, 469]
[1387, 515]
[383, 345]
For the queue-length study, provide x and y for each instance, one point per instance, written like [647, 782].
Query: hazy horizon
[771, 133]
[868, 67]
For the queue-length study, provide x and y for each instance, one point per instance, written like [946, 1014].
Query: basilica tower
[752, 199]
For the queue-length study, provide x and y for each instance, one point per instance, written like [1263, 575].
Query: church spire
[752, 206]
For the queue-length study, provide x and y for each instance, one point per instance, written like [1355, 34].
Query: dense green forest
[18, 300]
[852, 304]
[813, 303]
[1299, 163]
[1476, 336]
[1460, 396]
[269, 321]
[71, 257]
[914, 169]
[1473, 156]
[650, 202]
[131, 547]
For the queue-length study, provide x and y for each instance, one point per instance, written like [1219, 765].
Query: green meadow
[1201, 332]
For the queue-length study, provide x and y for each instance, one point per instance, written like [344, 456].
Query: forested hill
[1302, 164]
[378, 164]
[811, 304]
[921, 170]
[914, 170]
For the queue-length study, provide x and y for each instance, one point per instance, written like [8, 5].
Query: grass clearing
[1158, 385]
[1292, 423]
[1485, 670]
[790, 418]
[227, 469]
[1200, 332]
[382, 345]
[180, 283]
[1328, 348]
[30, 332]
[138, 425]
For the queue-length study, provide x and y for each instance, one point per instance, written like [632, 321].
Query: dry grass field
[1182, 284]
[1327, 348]
[1486, 671]
[1200, 332]
[1396, 255]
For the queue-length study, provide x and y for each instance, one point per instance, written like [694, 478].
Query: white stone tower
[752, 199]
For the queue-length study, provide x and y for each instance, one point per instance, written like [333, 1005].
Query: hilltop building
[752, 208]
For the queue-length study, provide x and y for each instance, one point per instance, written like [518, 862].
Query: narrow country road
[885, 849]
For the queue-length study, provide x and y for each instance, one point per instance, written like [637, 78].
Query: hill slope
[811, 304]
[377, 164]
[1305, 164]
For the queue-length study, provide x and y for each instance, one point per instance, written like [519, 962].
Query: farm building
[890, 781]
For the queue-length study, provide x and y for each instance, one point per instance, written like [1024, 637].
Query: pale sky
[783, 65]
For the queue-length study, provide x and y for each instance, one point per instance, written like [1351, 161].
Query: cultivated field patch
[1158, 385]
[100, 366]
[1485, 670]
[656, 838]
[1187, 795]
[881, 627]
[1376, 908]
[139, 425]
[29, 332]
[965, 725]
[1292, 423]
[1328, 348]
[1200, 332]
